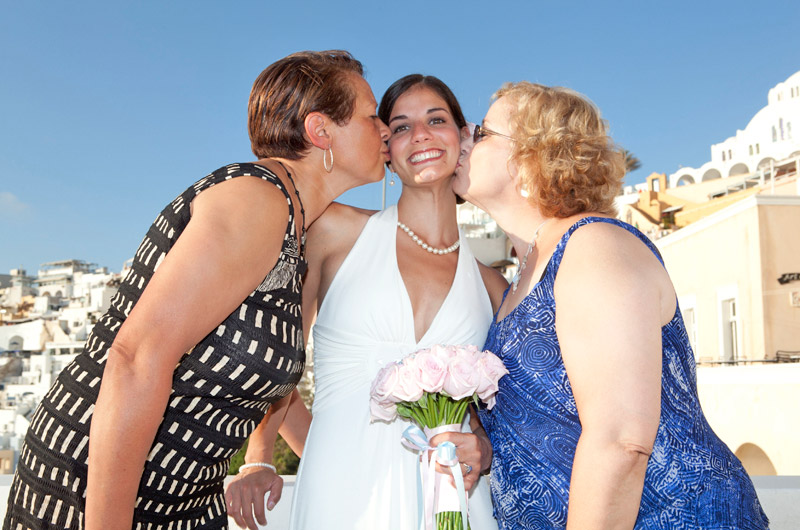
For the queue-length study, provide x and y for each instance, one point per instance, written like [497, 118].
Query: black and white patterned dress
[221, 390]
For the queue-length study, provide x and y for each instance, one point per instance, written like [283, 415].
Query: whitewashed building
[44, 338]
[487, 241]
[771, 135]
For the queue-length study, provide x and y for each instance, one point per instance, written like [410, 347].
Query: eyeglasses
[482, 132]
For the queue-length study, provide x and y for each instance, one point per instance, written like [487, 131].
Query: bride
[381, 285]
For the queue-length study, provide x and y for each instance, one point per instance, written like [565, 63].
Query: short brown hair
[290, 89]
[566, 159]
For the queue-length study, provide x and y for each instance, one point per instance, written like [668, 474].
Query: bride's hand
[471, 450]
[244, 496]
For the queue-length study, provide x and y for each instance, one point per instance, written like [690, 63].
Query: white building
[487, 241]
[14, 287]
[767, 138]
[73, 289]
[41, 341]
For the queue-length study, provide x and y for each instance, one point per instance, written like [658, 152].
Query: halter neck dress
[354, 474]
[692, 480]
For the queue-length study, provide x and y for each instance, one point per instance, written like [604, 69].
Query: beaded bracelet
[258, 464]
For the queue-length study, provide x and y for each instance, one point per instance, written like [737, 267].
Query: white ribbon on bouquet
[444, 454]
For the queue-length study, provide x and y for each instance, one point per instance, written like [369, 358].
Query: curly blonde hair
[567, 162]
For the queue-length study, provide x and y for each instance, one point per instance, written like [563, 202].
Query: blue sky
[108, 110]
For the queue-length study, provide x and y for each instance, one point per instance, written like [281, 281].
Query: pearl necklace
[433, 250]
[531, 245]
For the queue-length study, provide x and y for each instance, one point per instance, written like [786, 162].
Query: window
[774, 134]
[723, 156]
[730, 330]
[728, 321]
[758, 149]
[780, 124]
[789, 130]
[690, 321]
[730, 155]
[750, 149]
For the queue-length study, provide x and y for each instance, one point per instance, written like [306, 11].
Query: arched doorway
[15, 343]
[755, 460]
[738, 169]
[711, 174]
[765, 162]
[685, 180]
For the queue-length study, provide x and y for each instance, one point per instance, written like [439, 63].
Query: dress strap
[302, 208]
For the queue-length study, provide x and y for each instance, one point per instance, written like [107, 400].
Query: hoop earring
[325, 159]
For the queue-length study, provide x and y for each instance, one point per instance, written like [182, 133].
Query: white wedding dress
[355, 474]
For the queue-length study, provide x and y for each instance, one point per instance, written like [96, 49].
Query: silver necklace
[531, 245]
[433, 250]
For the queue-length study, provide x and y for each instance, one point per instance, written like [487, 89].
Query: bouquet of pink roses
[434, 387]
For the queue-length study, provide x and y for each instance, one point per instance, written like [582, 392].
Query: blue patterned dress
[692, 481]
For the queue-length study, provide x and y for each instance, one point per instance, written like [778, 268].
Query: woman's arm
[610, 306]
[229, 245]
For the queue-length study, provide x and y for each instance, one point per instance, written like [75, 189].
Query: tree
[631, 162]
[284, 459]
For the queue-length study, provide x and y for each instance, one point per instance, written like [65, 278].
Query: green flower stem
[462, 410]
[428, 412]
[449, 521]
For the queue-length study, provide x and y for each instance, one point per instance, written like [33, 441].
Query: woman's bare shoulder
[598, 246]
[336, 229]
[338, 217]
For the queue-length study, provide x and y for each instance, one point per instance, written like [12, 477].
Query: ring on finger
[467, 467]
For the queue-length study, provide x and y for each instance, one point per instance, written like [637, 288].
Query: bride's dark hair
[404, 84]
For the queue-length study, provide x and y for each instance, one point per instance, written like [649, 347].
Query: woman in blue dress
[598, 423]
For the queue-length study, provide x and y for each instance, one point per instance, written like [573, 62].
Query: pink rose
[385, 383]
[463, 377]
[472, 351]
[408, 383]
[445, 353]
[492, 370]
[410, 361]
[432, 371]
[382, 411]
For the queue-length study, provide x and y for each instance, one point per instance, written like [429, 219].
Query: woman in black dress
[205, 332]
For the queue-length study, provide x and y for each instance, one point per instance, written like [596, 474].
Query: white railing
[779, 496]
